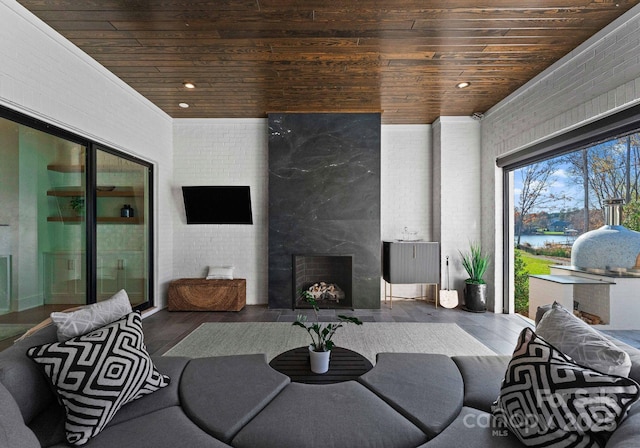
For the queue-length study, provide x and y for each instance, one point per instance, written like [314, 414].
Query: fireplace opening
[327, 277]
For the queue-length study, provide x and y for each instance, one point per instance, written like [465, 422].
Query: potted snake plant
[475, 262]
[321, 334]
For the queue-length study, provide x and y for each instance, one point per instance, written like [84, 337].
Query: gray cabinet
[411, 262]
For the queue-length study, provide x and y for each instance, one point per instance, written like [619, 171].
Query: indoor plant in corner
[321, 335]
[475, 262]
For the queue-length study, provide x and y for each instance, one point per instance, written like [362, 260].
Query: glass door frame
[92, 222]
[90, 202]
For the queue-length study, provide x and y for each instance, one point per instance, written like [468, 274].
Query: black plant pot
[475, 297]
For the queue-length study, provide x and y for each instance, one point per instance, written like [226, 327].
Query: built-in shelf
[118, 192]
[65, 168]
[101, 219]
[103, 168]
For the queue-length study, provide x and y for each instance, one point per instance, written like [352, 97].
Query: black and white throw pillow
[546, 399]
[97, 373]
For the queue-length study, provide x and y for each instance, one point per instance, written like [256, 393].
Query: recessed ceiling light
[189, 85]
[462, 85]
[183, 105]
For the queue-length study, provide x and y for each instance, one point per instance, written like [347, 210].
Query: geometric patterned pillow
[546, 399]
[97, 373]
[90, 317]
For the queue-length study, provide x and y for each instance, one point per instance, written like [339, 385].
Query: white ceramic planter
[319, 360]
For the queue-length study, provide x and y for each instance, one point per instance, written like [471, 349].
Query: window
[555, 195]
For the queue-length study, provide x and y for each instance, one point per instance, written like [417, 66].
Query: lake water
[540, 240]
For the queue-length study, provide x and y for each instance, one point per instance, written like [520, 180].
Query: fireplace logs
[326, 291]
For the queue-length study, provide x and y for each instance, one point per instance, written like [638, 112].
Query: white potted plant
[321, 335]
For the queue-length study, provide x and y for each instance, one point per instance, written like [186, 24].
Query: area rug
[273, 338]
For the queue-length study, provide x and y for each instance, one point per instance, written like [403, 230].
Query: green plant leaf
[321, 334]
[351, 319]
[475, 263]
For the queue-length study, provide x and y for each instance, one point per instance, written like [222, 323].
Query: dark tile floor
[499, 332]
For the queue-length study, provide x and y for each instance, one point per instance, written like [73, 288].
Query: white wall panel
[45, 76]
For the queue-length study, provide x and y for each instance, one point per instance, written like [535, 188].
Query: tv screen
[217, 205]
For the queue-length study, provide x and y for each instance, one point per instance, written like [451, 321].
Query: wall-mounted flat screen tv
[217, 205]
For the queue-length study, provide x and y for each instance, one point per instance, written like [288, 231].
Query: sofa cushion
[482, 376]
[97, 373]
[541, 311]
[166, 428]
[171, 366]
[48, 426]
[75, 323]
[24, 379]
[13, 432]
[473, 428]
[628, 433]
[344, 414]
[634, 355]
[546, 398]
[425, 388]
[585, 345]
[221, 394]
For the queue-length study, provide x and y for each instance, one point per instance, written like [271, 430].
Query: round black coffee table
[344, 365]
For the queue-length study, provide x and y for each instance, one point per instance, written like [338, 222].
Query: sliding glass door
[123, 226]
[75, 223]
[42, 225]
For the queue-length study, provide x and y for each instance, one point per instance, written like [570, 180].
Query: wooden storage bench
[199, 294]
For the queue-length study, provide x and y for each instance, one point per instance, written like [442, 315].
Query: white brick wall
[406, 180]
[235, 152]
[456, 195]
[47, 77]
[406, 187]
[222, 152]
[599, 77]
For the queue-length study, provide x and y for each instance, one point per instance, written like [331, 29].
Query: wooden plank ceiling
[402, 57]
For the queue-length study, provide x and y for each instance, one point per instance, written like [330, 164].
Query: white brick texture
[406, 188]
[456, 201]
[222, 152]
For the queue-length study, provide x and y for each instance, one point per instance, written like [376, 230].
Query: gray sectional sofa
[406, 400]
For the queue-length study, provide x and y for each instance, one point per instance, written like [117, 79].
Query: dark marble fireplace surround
[324, 199]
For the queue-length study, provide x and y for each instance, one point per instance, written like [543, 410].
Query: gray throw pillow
[585, 345]
[84, 320]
